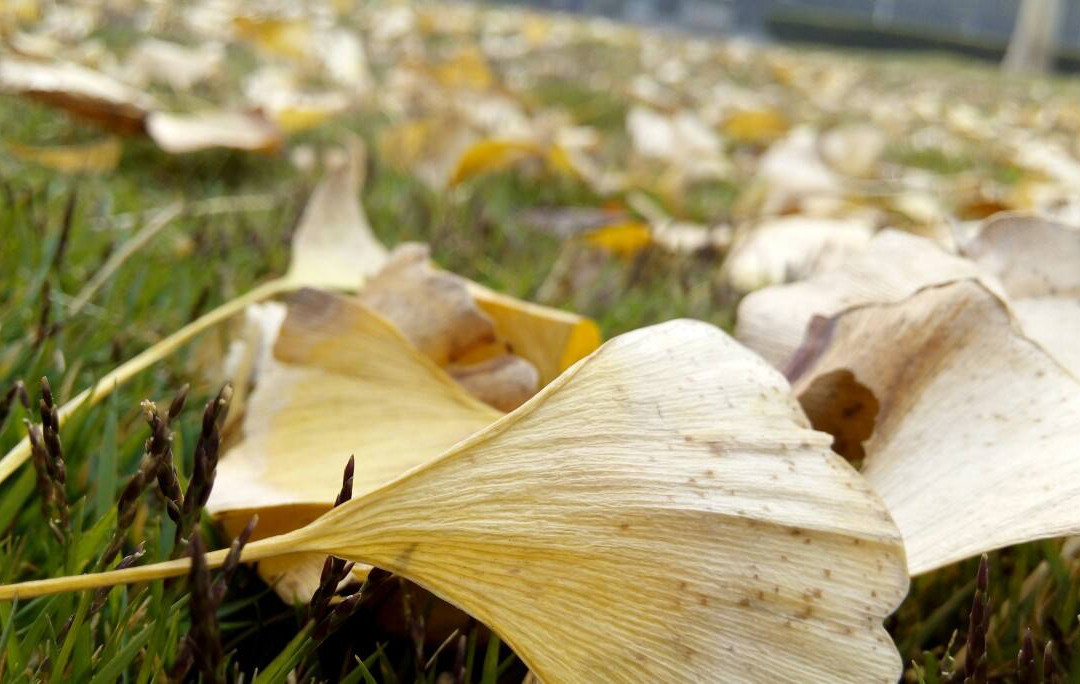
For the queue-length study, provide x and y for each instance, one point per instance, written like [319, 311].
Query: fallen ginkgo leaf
[1037, 261]
[974, 445]
[342, 381]
[181, 133]
[334, 246]
[96, 157]
[551, 339]
[790, 248]
[773, 321]
[657, 513]
[84, 92]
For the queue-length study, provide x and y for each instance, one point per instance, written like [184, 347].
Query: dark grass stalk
[978, 623]
[204, 469]
[47, 454]
[1026, 672]
[334, 569]
[322, 618]
[161, 439]
[16, 391]
[102, 594]
[202, 644]
[1049, 670]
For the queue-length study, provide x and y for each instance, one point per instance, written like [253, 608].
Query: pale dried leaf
[1038, 262]
[333, 246]
[78, 90]
[1031, 255]
[791, 248]
[180, 133]
[180, 66]
[774, 320]
[975, 446]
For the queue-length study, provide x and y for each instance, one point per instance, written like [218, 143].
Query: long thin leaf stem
[259, 550]
[20, 453]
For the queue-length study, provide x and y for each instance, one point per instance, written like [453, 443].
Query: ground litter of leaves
[627, 175]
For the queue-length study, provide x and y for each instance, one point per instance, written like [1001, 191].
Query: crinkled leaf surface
[658, 513]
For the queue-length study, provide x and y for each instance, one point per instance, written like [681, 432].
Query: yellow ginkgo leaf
[486, 156]
[974, 445]
[658, 513]
[333, 245]
[550, 339]
[343, 381]
[625, 239]
[755, 126]
[95, 157]
[284, 37]
[467, 69]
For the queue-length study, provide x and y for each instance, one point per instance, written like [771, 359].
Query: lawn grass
[59, 230]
